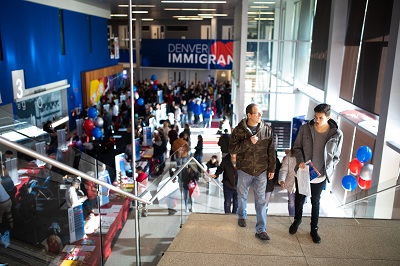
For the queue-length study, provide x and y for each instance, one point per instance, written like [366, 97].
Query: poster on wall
[100, 87]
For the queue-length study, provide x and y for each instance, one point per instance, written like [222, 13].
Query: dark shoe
[242, 222]
[293, 228]
[262, 236]
[314, 235]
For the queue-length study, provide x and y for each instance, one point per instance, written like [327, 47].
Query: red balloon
[88, 125]
[156, 82]
[364, 184]
[355, 166]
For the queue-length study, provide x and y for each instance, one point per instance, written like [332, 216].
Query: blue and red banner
[176, 53]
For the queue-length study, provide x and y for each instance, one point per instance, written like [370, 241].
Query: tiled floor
[159, 229]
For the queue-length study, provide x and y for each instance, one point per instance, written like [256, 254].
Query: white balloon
[366, 172]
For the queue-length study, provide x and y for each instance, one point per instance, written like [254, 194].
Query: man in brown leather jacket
[252, 141]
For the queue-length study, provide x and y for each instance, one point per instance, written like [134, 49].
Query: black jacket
[230, 176]
[223, 142]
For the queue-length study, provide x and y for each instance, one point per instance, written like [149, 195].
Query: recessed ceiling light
[140, 12]
[192, 2]
[260, 13]
[137, 5]
[118, 15]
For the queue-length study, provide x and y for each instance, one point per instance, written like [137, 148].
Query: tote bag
[303, 181]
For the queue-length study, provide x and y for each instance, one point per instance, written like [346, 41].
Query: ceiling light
[268, 3]
[118, 15]
[260, 13]
[192, 2]
[259, 7]
[264, 19]
[140, 12]
[147, 19]
[137, 5]
[190, 18]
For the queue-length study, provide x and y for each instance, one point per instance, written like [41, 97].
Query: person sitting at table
[53, 243]
[71, 194]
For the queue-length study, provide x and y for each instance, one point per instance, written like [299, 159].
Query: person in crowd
[104, 176]
[198, 153]
[177, 114]
[220, 105]
[191, 106]
[141, 180]
[6, 208]
[212, 163]
[224, 124]
[253, 143]
[184, 113]
[71, 195]
[53, 243]
[223, 143]
[320, 141]
[229, 181]
[196, 109]
[207, 117]
[9, 186]
[8, 155]
[115, 112]
[287, 177]
[187, 176]
[181, 148]
[159, 150]
[186, 130]
[172, 136]
[91, 192]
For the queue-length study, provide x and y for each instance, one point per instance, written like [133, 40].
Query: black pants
[316, 190]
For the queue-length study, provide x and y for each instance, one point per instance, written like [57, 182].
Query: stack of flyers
[314, 173]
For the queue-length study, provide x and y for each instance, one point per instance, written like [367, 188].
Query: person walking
[229, 182]
[320, 141]
[287, 178]
[253, 143]
[223, 143]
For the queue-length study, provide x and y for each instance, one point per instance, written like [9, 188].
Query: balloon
[99, 122]
[154, 87]
[97, 133]
[156, 82]
[153, 77]
[134, 88]
[136, 95]
[349, 182]
[364, 154]
[88, 125]
[366, 172]
[151, 82]
[78, 143]
[92, 112]
[364, 184]
[355, 166]
[140, 101]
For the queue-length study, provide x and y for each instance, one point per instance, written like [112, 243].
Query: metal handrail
[67, 168]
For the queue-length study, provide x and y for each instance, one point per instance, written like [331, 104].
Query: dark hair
[249, 108]
[323, 108]
[182, 134]
[200, 137]
[139, 168]
[8, 152]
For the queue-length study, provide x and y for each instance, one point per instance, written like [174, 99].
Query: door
[227, 32]
[205, 32]
[157, 32]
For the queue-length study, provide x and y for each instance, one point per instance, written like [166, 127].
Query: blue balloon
[140, 101]
[92, 112]
[154, 87]
[364, 154]
[153, 77]
[134, 88]
[349, 182]
[97, 133]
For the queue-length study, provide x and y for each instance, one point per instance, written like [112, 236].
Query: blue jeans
[259, 184]
[230, 196]
[291, 207]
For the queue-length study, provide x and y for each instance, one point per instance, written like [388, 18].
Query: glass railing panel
[40, 212]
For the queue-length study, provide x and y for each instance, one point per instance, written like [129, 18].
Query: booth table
[93, 257]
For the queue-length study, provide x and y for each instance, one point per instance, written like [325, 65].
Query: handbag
[194, 190]
[303, 181]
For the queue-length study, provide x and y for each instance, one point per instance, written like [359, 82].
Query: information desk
[87, 251]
